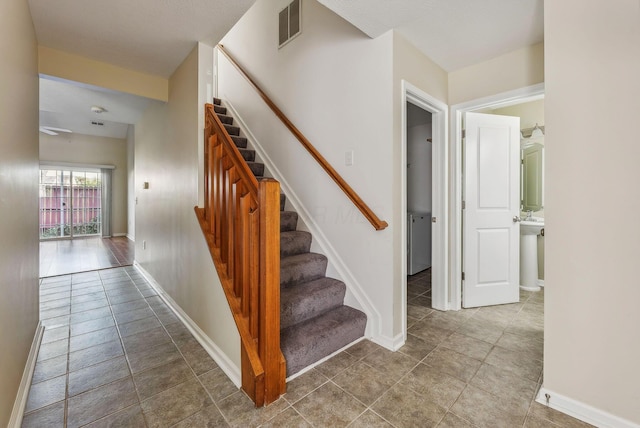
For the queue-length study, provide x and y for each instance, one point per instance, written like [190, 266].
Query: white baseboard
[131, 238]
[541, 283]
[582, 411]
[391, 343]
[212, 349]
[374, 319]
[317, 363]
[117, 235]
[23, 391]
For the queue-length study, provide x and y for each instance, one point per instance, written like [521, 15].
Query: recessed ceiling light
[98, 109]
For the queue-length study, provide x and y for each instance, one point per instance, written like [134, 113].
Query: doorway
[457, 232]
[71, 203]
[430, 203]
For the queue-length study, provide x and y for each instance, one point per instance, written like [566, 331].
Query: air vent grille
[93, 122]
[289, 23]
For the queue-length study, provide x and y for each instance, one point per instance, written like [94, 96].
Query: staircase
[314, 321]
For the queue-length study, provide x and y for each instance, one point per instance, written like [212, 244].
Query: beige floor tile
[98, 337]
[92, 325]
[97, 403]
[425, 329]
[336, 364]
[329, 406]
[363, 348]
[131, 417]
[364, 382]
[289, 418]
[45, 393]
[208, 417]
[139, 326]
[453, 363]
[515, 393]
[468, 346]
[50, 416]
[515, 363]
[145, 340]
[153, 381]
[392, 364]
[53, 349]
[95, 354]
[304, 384]
[482, 409]
[532, 347]
[402, 407]
[369, 420]
[153, 357]
[97, 375]
[218, 384]
[416, 347]
[450, 420]
[433, 385]
[175, 404]
[50, 368]
[546, 413]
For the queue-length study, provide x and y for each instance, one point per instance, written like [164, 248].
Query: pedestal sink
[529, 231]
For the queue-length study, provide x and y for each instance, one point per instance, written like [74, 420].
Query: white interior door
[491, 228]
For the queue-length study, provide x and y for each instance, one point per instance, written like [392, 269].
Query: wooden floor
[62, 257]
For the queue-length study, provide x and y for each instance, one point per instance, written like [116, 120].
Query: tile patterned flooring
[113, 354]
[65, 256]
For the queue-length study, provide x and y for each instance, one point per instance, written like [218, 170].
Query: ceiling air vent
[289, 23]
[93, 122]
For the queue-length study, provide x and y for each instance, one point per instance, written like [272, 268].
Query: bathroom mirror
[532, 177]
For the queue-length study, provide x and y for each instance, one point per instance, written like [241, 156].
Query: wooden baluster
[269, 339]
[217, 193]
[209, 191]
[242, 268]
[254, 270]
[230, 180]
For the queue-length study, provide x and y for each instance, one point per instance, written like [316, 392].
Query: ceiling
[453, 33]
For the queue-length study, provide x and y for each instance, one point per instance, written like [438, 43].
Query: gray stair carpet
[314, 322]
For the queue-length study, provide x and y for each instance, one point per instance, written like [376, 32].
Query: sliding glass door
[70, 203]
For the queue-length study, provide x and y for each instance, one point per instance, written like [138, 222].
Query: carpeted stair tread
[294, 242]
[232, 130]
[283, 199]
[225, 119]
[288, 220]
[257, 168]
[240, 142]
[305, 343]
[217, 101]
[308, 300]
[302, 268]
[248, 155]
[219, 109]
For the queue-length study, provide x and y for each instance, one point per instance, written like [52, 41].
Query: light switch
[145, 185]
[348, 158]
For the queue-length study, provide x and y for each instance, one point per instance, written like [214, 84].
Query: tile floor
[114, 355]
[65, 256]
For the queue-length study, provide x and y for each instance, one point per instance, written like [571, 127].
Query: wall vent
[93, 122]
[289, 23]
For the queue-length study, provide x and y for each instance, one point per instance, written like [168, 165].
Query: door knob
[516, 218]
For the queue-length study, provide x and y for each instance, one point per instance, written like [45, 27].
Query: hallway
[65, 256]
[113, 354]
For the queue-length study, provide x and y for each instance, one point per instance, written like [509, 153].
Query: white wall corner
[354, 288]
[581, 411]
[227, 366]
[392, 343]
[27, 375]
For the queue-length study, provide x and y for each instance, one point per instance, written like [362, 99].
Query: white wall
[18, 196]
[176, 255]
[334, 83]
[592, 292]
[131, 183]
[89, 149]
[419, 168]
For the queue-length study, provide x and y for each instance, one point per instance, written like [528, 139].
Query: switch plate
[348, 158]
[144, 245]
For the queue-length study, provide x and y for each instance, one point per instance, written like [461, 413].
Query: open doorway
[458, 172]
[424, 201]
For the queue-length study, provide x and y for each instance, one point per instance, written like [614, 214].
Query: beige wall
[18, 196]
[592, 289]
[77, 68]
[131, 183]
[514, 70]
[410, 65]
[88, 149]
[176, 255]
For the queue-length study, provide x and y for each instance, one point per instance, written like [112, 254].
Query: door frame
[439, 197]
[517, 96]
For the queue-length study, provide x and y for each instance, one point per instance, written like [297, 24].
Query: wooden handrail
[241, 224]
[351, 194]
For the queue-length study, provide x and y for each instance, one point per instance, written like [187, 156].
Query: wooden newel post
[269, 339]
